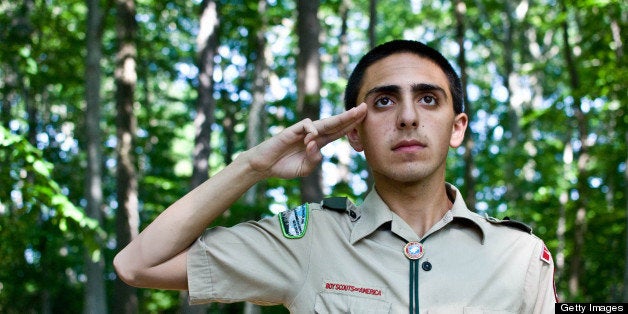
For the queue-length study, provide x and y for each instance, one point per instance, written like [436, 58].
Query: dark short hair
[399, 46]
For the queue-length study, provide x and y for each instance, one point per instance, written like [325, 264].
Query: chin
[409, 176]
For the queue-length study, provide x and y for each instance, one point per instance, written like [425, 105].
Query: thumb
[313, 153]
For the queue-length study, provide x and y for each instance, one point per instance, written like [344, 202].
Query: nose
[407, 116]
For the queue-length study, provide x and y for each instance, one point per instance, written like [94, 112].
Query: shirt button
[427, 266]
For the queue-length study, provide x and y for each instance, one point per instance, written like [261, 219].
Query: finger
[313, 152]
[296, 133]
[341, 121]
[335, 127]
[310, 131]
[312, 157]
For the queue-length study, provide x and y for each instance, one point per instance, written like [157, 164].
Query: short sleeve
[540, 292]
[251, 261]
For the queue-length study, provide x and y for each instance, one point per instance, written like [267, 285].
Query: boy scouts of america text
[352, 288]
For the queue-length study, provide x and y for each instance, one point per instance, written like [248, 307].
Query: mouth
[408, 146]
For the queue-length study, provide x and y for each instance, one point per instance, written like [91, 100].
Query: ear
[458, 129]
[355, 140]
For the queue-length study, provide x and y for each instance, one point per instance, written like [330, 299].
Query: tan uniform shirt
[354, 262]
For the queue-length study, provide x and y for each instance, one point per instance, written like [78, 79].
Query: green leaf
[41, 167]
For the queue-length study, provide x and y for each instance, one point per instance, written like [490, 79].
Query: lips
[408, 145]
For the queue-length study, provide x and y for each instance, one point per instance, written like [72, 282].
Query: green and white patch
[294, 222]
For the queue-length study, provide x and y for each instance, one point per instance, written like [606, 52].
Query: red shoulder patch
[545, 255]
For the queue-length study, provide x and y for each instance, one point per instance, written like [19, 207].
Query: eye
[428, 100]
[383, 102]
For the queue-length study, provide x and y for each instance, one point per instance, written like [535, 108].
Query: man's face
[410, 122]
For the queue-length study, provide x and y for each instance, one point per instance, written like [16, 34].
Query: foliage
[42, 230]
[523, 125]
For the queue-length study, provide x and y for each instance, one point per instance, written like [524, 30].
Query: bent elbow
[134, 271]
[125, 270]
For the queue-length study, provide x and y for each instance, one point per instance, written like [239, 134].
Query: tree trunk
[460, 11]
[127, 216]
[256, 131]
[343, 44]
[309, 84]
[228, 129]
[372, 23]
[9, 96]
[342, 64]
[206, 44]
[515, 110]
[95, 296]
[580, 223]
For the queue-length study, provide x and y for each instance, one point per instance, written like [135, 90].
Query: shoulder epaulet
[339, 204]
[510, 223]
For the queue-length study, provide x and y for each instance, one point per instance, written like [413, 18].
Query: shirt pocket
[342, 303]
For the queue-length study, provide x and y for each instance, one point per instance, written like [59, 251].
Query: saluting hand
[295, 151]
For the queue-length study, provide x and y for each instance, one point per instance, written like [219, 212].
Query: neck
[420, 204]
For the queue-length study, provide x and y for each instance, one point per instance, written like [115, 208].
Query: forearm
[179, 225]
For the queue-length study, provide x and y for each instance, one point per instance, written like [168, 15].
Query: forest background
[113, 109]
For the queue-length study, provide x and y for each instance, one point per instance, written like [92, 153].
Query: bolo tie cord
[414, 286]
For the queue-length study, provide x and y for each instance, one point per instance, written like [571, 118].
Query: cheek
[444, 138]
[371, 139]
[374, 136]
[440, 128]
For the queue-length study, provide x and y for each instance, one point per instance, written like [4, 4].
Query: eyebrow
[420, 87]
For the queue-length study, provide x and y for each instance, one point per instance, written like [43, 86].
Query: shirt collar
[375, 213]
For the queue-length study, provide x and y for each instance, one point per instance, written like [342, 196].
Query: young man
[411, 245]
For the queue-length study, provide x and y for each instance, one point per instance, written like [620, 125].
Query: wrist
[249, 169]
